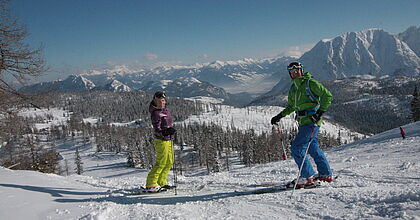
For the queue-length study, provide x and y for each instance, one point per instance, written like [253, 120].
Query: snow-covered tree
[415, 105]
[78, 162]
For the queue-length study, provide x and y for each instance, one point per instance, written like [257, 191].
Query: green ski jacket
[298, 100]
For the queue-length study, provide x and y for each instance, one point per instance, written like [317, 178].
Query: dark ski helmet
[159, 95]
[294, 65]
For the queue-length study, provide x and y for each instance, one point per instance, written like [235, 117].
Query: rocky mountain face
[369, 52]
[412, 38]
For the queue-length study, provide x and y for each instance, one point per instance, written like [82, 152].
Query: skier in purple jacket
[163, 132]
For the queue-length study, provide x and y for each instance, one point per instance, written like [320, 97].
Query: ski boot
[302, 183]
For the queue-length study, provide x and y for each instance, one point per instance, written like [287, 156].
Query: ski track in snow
[379, 178]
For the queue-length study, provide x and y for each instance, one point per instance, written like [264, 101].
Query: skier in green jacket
[309, 99]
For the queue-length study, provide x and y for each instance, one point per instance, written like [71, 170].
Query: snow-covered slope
[32, 195]
[378, 179]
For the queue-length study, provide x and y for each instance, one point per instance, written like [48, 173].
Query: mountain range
[73, 83]
[372, 51]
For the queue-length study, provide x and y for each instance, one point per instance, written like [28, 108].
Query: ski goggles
[294, 67]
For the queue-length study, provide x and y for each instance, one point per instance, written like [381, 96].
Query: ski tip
[158, 191]
[169, 187]
[144, 190]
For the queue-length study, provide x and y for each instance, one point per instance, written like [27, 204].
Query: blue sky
[84, 34]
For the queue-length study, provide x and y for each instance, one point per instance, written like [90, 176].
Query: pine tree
[130, 158]
[415, 105]
[78, 162]
[66, 167]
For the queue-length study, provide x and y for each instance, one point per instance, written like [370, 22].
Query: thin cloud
[295, 51]
[151, 56]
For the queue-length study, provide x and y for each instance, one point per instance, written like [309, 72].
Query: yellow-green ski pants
[164, 161]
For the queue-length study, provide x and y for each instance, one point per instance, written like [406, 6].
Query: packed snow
[378, 178]
[53, 116]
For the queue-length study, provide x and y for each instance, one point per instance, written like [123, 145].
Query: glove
[317, 116]
[276, 119]
[168, 131]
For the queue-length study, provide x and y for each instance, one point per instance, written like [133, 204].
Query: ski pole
[303, 161]
[174, 166]
[284, 156]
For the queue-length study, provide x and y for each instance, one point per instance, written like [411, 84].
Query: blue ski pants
[307, 137]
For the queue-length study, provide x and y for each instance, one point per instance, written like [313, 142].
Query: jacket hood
[304, 77]
[152, 107]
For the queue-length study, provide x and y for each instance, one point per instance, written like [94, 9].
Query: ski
[145, 191]
[274, 189]
[272, 184]
[169, 187]
[134, 192]
[271, 187]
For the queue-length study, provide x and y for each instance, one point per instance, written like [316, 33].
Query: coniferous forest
[123, 126]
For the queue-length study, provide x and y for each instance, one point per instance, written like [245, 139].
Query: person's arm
[289, 109]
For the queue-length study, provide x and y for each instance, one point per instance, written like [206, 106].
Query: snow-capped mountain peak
[372, 51]
[116, 86]
[80, 79]
[217, 64]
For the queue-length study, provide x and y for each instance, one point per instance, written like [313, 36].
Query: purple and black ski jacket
[161, 120]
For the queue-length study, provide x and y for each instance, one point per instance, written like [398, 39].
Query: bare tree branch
[18, 61]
